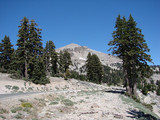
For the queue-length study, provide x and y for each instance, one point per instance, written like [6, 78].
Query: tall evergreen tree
[50, 58]
[67, 60]
[34, 46]
[64, 61]
[94, 68]
[61, 62]
[6, 51]
[129, 45]
[23, 46]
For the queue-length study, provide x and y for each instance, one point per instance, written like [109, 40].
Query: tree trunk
[128, 88]
[134, 89]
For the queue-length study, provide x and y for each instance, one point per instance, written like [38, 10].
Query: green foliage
[23, 47]
[18, 116]
[26, 104]
[112, 76]
[94, 68]
[145, 90]
[129, 45]
[64, 61]
[77, 76]
[8, 86]
[67, 102]
[15, 109]
[16, 74]
[145, 108]
[6, 52]
[158, 90]
[39, 74]
[67, 74]
[15, 88]
[2, 111]
[53, 103]
[3, 117]
[50, 58]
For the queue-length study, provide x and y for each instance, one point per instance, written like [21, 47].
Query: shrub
[145, 90]
[1, 116]
[67, 102]
[18, 116]
[149, 106]
[15, 75]
[26, 104]
[8, 86]
[26, 109]
[15, 109]
[22, 100]
[3, 111]
[53, 103]
[15, 88]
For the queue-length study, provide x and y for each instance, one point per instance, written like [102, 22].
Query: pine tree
[50, 58]
[89, 67]
[67, 60]
[64, 61]
[6, 51]
[129, 45]
[23, 46]
[34, 46]
[38, 73]
[94, 68]
[61, 62]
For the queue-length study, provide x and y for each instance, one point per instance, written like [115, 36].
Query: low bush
[8, 86]
[2, 110]
[67, 102]
[27, 104]
[15, 109]
[53, 103]
[18, 116]
[15, 88]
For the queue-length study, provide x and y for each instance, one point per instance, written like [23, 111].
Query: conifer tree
[6, 51]
[67, 60]
[129, 45]
[94, 68]
[64, 61]
[61, 62]
[34, 46]
[89, 67]
[38, 73]
[23, 46]
[50, 58]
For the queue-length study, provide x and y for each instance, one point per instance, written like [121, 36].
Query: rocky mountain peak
[79, 56]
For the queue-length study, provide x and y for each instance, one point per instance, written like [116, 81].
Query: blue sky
[84, 22]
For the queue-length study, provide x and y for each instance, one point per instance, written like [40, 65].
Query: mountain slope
[79, 56]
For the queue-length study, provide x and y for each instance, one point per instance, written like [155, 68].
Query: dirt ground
[63, 100]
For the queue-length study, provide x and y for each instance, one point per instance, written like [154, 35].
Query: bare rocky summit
[79, 56]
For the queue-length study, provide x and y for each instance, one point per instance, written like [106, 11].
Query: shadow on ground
[141, 115]
[116, 91]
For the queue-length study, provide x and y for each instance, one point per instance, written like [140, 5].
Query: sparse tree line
[33, 62]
